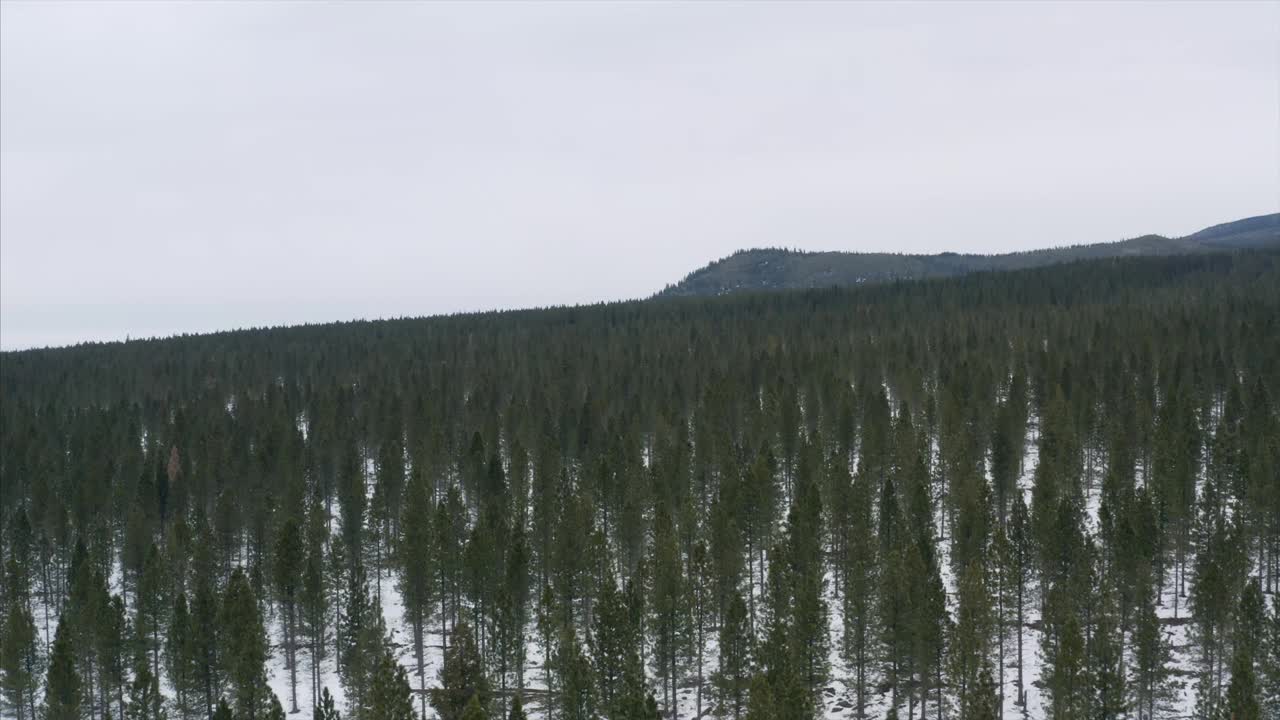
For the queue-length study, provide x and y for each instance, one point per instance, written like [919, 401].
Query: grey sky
[171, 167]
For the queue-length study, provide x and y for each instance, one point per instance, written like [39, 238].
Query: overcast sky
[169, 167]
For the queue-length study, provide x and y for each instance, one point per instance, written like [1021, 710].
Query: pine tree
[474, 710]
[517, 595]
[109, 646]
[1243, 699]
[152, 606]
[931, 628]
[700, 605]
[1066, 672]
[510, 615]
[275, 711]
[363, 633]
[244, 650]
[145, 700]
[760, 499]
[569, 559]
[776, 662]
[450, 529]
[137, 538]
[577, 684]
[547, 621]
[288, 573]
[1106, 660]
[62, 684]
[326, 709]
[1016, 569]
[1242, 693]
[860, 594]
[1218, 576]
[315, 614]
[385, 505]
[337, 580]
[1055, 481]
[352, 499]
[895, 615]
[417, 572]
[761, 705]
[1002, 608]
[981, 701]
[803, 554]
[1250, 631]
[970, 646]
[20, 660]
[517, 710]
[483, 567]
[462, 677]
[636, 593]
[179, 658]
[1151, 659]
[633, 701]
[203, 647]
[1271, 662]
[612, 645]
[734, 676]
[651, 709]
[666, 607]
[389, 693]
[86, 593]
[1006, 454]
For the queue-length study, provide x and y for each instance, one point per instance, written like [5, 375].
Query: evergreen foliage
[20, 660]
[326, 709]
[62, 689]
[145, 701]
[245, 649]
[462, 678]
[389, 694]
[677, 505]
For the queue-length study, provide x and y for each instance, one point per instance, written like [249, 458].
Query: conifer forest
[1050, 493]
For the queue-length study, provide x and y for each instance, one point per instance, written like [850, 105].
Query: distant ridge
[779, 269]
[1260, 231]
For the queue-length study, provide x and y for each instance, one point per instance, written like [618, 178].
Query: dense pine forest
[1047, 493]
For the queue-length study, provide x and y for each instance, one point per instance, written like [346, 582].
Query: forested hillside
[778, 269]
[1049, 493]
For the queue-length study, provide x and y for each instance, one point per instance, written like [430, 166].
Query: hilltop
[778, 269]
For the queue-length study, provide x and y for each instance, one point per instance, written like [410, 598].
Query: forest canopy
[1050, 492]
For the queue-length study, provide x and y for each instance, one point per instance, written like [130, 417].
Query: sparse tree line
[665, 509]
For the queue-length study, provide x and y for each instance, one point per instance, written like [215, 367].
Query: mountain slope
[777, 269]
[1260, 231]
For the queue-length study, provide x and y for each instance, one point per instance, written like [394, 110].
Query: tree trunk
[701, 641]
[293, 659]
[1000, 630]
[311, 649]
[418, 623]
[208, 695]
[750, 587]
[1021, 697]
